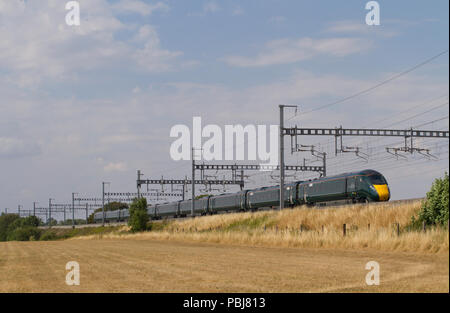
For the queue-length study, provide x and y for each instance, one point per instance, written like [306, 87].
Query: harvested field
[179, 266]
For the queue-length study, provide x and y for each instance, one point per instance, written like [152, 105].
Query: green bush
[6, 220]
[49, 235]
[25, 233]
[138, 215]
[435, 208]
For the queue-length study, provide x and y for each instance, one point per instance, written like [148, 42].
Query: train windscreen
[377, 179]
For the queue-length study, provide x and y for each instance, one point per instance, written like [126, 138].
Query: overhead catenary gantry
[66, 207]
[339, 132]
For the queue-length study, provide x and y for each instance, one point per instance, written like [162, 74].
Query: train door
[209, 205]
[351, 186]
[178, 209]
[303, 193]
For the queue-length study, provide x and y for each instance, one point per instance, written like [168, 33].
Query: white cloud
[211, 7]
[285, 51]
[37, 45]
[360, 27]
[115, 167]
[238, 11]
[208, 7]
[151, 56]
[139, 7]
[17, 148]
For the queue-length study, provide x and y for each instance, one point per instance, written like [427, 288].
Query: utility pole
[281, 162]
[73, 209]
[193, 182]
[87, 208]
[18, 207]
[103, 202]
[184, 188]
[49, 212]
[138, 186]
[34, 208]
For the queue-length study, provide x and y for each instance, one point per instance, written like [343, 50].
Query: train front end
[378, 186]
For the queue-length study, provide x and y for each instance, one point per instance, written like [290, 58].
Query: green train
[362, 186]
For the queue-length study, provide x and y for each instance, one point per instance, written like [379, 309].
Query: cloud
[208, 7]
[115, 167]
[238, 11]
[285, 51]
[37, 46]
[138, 7]
[17, 148]
[360, 27]
[211, 7]
[151, 56]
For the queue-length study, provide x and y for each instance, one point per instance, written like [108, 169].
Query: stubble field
[115, 265]
[243, 252]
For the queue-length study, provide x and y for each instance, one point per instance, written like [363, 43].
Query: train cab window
[377, 179]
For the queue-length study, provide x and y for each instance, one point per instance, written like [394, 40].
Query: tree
[138, 215]
[13, 227]
[25, 233]
[52, 222]
[435, 207]
[32, 221]
[5, 222]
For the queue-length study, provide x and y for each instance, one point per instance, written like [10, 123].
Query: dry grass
[378, 215]
[171, 266]
[235, 253]
[321, 228]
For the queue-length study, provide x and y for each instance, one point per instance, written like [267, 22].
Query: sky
[82, 105]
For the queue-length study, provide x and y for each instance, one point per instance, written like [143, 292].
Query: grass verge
[367, 227]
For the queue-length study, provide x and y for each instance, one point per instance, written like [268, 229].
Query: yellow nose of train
[383, 192]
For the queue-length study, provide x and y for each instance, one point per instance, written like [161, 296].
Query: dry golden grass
[378, 215]
[172, 266]
[321, 228]
[243, 252]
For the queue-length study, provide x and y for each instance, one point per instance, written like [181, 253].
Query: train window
[377, 179]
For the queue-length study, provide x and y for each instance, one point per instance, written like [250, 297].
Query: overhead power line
[377, 85]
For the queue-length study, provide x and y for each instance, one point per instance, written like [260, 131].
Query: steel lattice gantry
[186, 181]
[364, 132]
[260, 167]
[339, 132]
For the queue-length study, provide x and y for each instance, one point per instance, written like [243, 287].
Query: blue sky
[96, 102]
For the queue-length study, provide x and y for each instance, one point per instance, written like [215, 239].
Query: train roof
[356, 173]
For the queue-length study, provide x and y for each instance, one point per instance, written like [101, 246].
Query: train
[354, 187]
